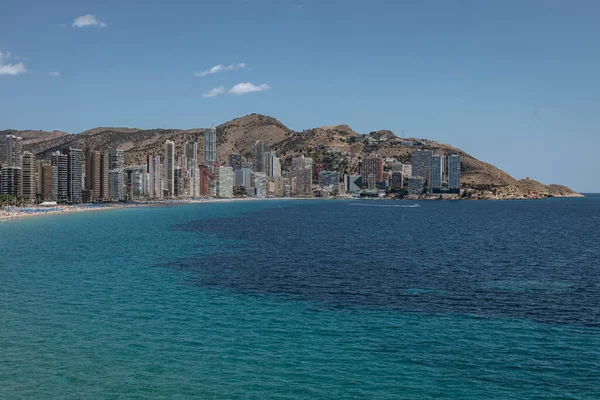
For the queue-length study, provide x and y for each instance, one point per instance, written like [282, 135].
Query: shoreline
[17, 213]
[27, 212]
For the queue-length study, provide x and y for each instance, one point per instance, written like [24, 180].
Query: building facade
[436, 174]
[454, 174]
[93, 174]
[210, 147]
[29, 172]
[224, 184]
[59, 176]
[170, 167]
[421, 160]
[372, 165]
[235, 161]
[302, 171]
[74, 175]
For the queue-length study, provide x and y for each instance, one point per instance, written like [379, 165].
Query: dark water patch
[535, 260]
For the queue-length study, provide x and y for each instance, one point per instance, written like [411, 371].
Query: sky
[513, 83]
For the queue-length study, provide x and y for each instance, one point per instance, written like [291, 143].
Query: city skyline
[493, 79]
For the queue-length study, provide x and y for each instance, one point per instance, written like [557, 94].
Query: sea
[304, 299]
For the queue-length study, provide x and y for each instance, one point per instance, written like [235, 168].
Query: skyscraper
[260, 184]
[372, 165]
[104, 177]
[116, 181]
[415, 185]
[204, 181]
[397, 179]
[170, 167]
[421, 160]
[178, 182]
[93, 174]
[235, 161]
[46, 182]
[59, 176]
[272, 165]
[210, 147]
[74, 174]
[10, 181]
[454, 174]
[243, 177]
[29, 176]
[259, 149]
[14, 151]
[191, 155]
[224, 177]
[436, 174]
[116, 185]
[302, 171]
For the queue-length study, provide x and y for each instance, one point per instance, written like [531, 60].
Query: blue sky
[514, 83]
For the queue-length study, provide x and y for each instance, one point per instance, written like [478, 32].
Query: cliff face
[339, 147]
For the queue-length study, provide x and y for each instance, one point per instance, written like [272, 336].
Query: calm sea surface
[304, 299]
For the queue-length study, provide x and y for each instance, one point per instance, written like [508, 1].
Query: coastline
[17, 213]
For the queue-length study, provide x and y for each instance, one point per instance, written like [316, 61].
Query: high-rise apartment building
[210, 147]
[116, 185]
[416, 185]
[259, 149]
[29, 176]
[46, 182]
[302, 171]
[14, 151]
[191, 154]
[235, 161]
[397, 179]
[260, 184]
[421, 160]
[436, 174]
[74, 174]
[170, 167]
[116, 159]
[454, 174]
[10, 181]
[372, 165]
[204, 181]
[224, 184]
[178, 182]
[243, 177]
[59, 176]
[272, 165]
[104, 177]
[93, 174]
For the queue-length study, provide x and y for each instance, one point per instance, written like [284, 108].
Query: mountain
[339, 147]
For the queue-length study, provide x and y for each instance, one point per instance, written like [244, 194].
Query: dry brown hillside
[338, 147]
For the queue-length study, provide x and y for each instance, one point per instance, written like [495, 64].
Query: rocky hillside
[339, 147]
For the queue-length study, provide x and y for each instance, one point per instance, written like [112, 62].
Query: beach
[11, 213]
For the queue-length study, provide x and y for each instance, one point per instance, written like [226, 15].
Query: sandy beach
[11, 213]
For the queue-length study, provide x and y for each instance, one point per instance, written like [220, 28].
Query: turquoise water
[185, 301]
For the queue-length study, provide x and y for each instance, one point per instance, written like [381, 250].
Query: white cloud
[88, 20]
[248, 87]
[219, 68]
[214, 92]
[10, 69]
[55, 73]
